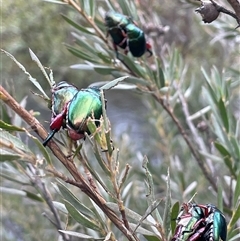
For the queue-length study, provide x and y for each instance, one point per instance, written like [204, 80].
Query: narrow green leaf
[34, 196]
[78, 149]
[129, 213]
[219, 196]
[10, 173]
[95, 174]
[235, 216]
[83, 43]
[55, 1]
[104, 70]
[236, 237]
[7, 156]
[125, 7]
[39, 64]
[9, 127]
[12, 191]
[149, 73]
[14, 142]
[236, 147]
[73, 200]
[60, 206]
[80, 218]
[149, 210]
[33, 80]
[92, 4]
[161, 75]
[77, 26]
[151, 238]
[108, 138]
[105, 58]
[223, 114]
[141, 230]
[81, 54]
[98, 211]
[82, 67]
[222, 149]
[130, 64]
[167, 208]
[200, 113]
[150, 188]
[237, 192]
[130, 79]
[226, 157]
[97, 154]
[5, 115]
[174, 214]
[121, 86]
[217, 77]
[113, 83]
[43, 150]
[190, 188]
[93, 130]
[79, 235]
[17, 120]
[209, 87]
[110, 5]
[85, 6]
[233, 233]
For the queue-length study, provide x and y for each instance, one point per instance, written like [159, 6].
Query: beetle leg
[58, 120]
[56, 125]
[148, 47]
[116, 50]
[205, 209]
[49, 137]
[125, 37]
[197, 234]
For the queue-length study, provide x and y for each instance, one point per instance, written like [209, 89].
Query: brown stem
[78, 180]
[113, 171]
[236, 7]
[88, 19]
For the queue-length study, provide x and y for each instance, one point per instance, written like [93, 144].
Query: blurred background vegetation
[139, 124]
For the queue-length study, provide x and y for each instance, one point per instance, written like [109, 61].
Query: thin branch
[87, 18]
[222, 9]
[121, 207]
[236, 6]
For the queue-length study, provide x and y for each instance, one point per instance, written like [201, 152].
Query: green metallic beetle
[126, 34]
[86, 103]
[114, 19]
[190, 222]
[62, 93]
[136, 41]
[216, 226]
[116, 23]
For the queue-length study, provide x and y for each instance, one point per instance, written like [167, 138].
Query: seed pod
[208, 11]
